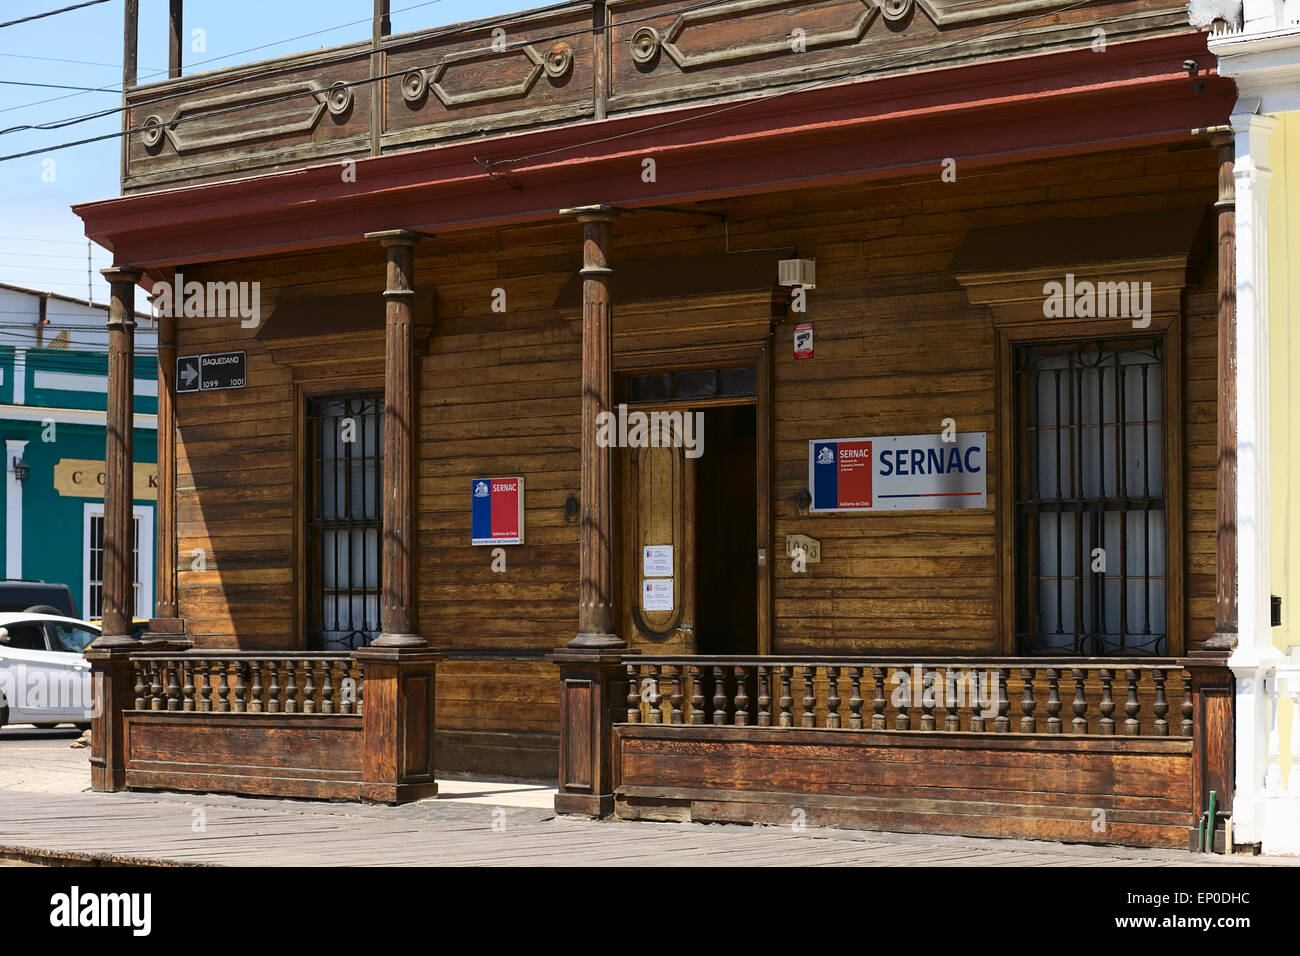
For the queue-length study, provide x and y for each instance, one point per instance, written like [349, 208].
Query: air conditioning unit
[798, 272]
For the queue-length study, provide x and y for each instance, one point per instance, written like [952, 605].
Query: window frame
[144, 560]
[319, 387]
[1165, 327]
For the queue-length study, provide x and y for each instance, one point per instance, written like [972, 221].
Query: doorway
[691, 576]
[726, 529]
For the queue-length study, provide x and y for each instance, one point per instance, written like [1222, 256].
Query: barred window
[346, 441]
[1090, 498]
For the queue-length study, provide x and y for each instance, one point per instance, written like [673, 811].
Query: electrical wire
[276, 71]
[224, 56]
[51, 13]
[490, 165]
[54, 86]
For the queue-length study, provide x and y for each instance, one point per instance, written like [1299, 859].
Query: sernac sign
[497, 511]
[898, 473]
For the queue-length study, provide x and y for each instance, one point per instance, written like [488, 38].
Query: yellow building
[1262, 54]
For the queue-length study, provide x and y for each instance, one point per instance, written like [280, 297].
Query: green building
[53, 395]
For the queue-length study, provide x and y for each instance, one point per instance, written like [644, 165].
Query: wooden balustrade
[1031, 748]
[970, 694]
[253, 683]
[329, 725]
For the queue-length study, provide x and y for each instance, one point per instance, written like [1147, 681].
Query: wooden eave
[981, 115]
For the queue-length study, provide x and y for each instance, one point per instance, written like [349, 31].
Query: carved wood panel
[257, 117]
[491, 75]
[660, 53]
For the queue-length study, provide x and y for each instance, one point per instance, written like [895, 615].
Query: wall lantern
[803, 499]
[570, 507]
[21, 469]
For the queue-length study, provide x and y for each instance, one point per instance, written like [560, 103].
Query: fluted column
[119, 464]
[398, 601]
[1254, 656]
[1225, 603]
[398, 742]
[596, 533]
[167, 609]
[593, 677]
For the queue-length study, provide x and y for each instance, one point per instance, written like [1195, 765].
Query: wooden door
[658, 511]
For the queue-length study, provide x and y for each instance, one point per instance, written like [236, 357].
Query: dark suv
[37, 597]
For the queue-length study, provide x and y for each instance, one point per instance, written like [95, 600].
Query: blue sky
[42, 244]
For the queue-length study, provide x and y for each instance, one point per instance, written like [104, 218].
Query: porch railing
[1127, 697]
[1132, 750]
[356, 725]
[235, 682]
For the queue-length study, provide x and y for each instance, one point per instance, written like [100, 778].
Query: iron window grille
[346, 442]
[1090, 498]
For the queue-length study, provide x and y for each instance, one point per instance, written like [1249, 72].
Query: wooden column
[175, 34]
[166, 620]
[109, 654]
[600, 58]
[596, 533]
[400, 667]
[398, 600]
[381, 27]
[112, 692]
[1225, 591]
[593, 678]
[398, 720]
[130, 44]
[119, 465]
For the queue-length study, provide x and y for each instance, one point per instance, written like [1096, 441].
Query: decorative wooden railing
[356, 725]
[1104, 750]
[1130, 697]
[270, 683]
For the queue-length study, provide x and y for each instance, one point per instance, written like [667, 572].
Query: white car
[44, 677]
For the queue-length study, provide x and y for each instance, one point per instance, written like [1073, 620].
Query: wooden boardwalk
[213, 830]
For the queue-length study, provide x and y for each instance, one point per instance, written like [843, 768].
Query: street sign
[199, 373]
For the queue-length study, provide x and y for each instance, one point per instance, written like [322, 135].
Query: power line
[74, 242]
[58, 124]
[55, 86]
[47, 255]
[775, 94]
[59, 59]
[225, 56]
[36, 268]
[490, 164]
[266, 74]
[51, 13]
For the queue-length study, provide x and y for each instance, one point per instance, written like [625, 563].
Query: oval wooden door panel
[658, 502]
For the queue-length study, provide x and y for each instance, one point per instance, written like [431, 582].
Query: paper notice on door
[657, 561]
[657, 595]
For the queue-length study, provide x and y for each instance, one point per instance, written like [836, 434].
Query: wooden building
[467, 248]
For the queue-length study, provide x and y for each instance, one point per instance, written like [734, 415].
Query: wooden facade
[525, 297]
